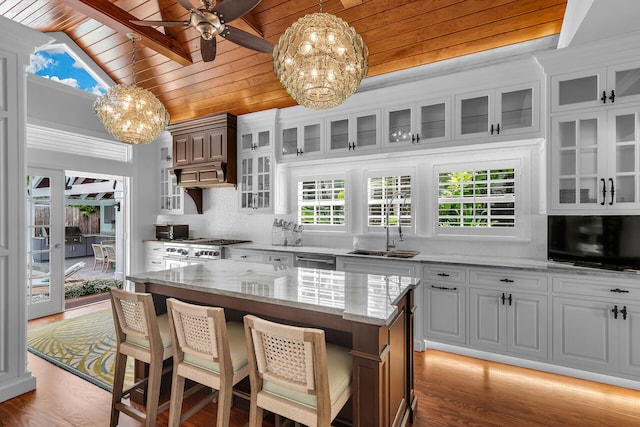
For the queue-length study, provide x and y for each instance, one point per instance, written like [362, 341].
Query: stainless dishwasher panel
[325, 262]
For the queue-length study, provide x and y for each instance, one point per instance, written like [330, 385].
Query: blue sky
[58, 65]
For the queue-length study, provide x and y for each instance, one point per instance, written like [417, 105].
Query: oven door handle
[330, 261]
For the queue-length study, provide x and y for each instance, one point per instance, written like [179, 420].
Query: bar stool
[143, 336]
[209, 351]
[295, 373]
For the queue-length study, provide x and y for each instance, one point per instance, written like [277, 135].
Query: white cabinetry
[596, 87]
[445, 305]
[508, 312]
[301, 140]
[255, 169]
[171, 195]
[593, 325]
[513, 110]
[275, 258]
[154, 256]
[418, 124]
[594, 163]
[355, 132]
[375, 266]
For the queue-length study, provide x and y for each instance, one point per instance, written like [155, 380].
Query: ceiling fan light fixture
[320, 60]
[131, 114]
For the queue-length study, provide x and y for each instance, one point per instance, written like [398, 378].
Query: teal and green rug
[84, 346]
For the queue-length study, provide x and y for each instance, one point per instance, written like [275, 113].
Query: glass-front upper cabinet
[595, 161]
[495, 113]
[252, 140]
[256, 180]
[418, 124]
[301, 141]
[171, 195]
[355, 132]
[603, 86]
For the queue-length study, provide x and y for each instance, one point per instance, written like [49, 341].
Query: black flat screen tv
[601, 241]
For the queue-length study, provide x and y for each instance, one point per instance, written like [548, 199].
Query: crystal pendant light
[131, 114]
[320, 60]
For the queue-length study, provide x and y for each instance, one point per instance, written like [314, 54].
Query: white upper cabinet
[301, 140]
[594, 161]
[171, 195]
[353, 132]
[496, 114]
[597, 87]
[254, 140]
[419, 124]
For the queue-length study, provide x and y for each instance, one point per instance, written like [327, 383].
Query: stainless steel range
[180, 253]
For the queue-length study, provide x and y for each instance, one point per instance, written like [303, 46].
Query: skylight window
[60, 63]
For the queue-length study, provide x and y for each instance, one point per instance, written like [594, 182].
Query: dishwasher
[310, 260]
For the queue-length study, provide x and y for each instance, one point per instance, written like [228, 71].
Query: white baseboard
[532, 364]
[16, 387]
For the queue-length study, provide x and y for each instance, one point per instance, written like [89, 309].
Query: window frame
[379, 173]
[322, 177]
[519, 162]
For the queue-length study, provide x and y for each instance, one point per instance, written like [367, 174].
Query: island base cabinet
[630, 341]
[508, 321]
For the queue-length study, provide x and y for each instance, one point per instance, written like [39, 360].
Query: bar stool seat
[142, 335]
[295, 373]
[209, 351]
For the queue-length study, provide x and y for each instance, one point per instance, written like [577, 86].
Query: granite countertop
[365, 298]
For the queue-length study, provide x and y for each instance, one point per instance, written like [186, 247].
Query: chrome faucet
[392, 244]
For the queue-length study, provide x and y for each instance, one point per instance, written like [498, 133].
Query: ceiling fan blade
[187, 5]
[228, 10]
[247, 40]
[161, 23]
[208, 49]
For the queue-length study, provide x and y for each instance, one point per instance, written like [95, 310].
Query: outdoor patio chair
[110, 258]
[98, 255]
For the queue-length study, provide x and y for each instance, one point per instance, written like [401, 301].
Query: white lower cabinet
[154, 256]
[503, 320]
[597, 334]
[275, 258]
[445, 305]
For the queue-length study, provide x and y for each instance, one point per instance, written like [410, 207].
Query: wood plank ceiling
[399, 34]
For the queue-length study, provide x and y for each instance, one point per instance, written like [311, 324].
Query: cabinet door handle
[498, 128]
[506, 280]
[613, 96]
[614, 310]
[277, 259]
[510, 299]
[613, 191]
[619, 291]
[443, 274]
[502, 298]
[604, 191]
[444, 288]
[415, 138]
[349, 145]
[603, 98]
[624, 312]
[491, 129]
[243, 256]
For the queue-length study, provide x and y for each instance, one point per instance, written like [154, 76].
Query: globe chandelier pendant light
[320, 60]
[133, 115]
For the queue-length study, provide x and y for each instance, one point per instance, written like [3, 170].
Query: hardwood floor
[452, 391]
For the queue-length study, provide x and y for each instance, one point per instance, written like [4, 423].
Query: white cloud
[39, 63]
[68, 81]
[96, 90]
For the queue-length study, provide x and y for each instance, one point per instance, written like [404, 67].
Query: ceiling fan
[211, 20]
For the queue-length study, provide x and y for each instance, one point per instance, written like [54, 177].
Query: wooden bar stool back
[209, 351]
[295, 373]
[143, 336]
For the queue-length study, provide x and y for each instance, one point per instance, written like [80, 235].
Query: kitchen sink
[388, 254]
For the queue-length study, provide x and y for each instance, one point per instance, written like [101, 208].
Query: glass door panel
[289, 141]
[627, 82]
[339, 134]
[264, 139]
[311, 138]
[44, 287]
[474, 115]
[517, 109]
[246, 141]
[575, 91]
[433, 121]
[399, 123]
[366, 130]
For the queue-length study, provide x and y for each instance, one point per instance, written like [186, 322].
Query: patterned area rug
[84, 346]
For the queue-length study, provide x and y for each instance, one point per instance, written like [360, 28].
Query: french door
[45, 242]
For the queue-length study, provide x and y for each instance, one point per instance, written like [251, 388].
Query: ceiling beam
[350, 3]
[117, 19]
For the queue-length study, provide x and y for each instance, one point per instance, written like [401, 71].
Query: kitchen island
[371, 314]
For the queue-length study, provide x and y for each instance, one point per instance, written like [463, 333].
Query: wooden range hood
[205, 154]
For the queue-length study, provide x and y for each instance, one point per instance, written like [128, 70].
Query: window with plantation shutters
[481, 199]
[321, 203]
[389, 197]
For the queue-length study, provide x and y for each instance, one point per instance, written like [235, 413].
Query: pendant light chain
[320, 3]
[133, 58]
